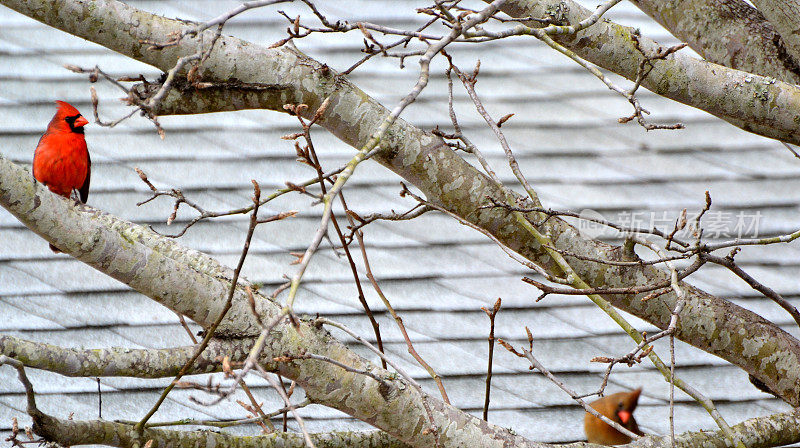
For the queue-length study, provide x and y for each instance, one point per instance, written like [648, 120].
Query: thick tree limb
[707, 322]
[727, 32]
[129, 253]
[101, 432]
[140, 363]
[761, 432]
[784, 15]
[156, 363]
[758, 104]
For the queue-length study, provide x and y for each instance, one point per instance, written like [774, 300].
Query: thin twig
[321, 320]
[300, 423]
[221, 423]
[212, 329]
[546, 289]
[491, 313]
[186, 327]
[729, 263]
[218, 21]
[510, 252]
[410, 347]
[309, 155]
[256, 407]
[314, 356]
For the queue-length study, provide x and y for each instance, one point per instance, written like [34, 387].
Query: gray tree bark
[785, 16]
[101, 432]
[139, 363]
[727, 32]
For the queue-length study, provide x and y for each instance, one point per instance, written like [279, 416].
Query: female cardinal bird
[617, 407]
[61, 160]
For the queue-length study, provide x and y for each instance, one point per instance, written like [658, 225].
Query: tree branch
[727, 32]
[141, 363]
[101, 432]
[761, 432]
[758, 104]
[784, 15]
[155, 266]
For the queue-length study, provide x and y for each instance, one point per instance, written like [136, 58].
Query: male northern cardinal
[61, 160]
[617, 407]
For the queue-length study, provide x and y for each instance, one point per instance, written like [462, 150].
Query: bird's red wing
[36, 154]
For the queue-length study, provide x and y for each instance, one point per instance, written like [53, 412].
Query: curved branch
[760, 432]
[727, 32]
[758, 104]
[153, 265]
[101, 432]
[141, 363]
[784, 15]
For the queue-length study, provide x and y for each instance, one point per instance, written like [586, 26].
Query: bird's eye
[71, 123]
[620, 406]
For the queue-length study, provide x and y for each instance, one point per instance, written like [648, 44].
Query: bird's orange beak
[624, 416]
[80, 122]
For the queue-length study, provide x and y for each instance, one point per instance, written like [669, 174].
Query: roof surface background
[436, 272]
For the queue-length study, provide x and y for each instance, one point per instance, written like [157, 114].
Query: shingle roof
[437, 273]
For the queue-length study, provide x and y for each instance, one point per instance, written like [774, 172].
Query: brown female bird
[618, 407]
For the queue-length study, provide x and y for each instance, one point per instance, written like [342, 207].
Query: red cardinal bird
[618, 407]
[61, 160]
